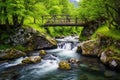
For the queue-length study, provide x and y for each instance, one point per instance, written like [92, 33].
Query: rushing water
[47, 69]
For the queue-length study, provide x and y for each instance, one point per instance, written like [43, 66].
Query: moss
[51, 40]
[32, 59]
[112, 53]
[64, 65]
[12, 54]
[114, 49]
[42, 53]
[27, 60]
[30, 47]
[20, 47]
[114, 57]
[82, 38]
[104, 30]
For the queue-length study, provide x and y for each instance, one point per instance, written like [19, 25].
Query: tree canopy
[93, 9]
[16, 12]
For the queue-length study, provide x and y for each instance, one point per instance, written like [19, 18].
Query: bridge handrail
[61, 19]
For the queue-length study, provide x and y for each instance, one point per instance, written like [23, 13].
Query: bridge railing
[61, 20]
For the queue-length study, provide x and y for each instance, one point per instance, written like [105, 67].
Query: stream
[47, 69]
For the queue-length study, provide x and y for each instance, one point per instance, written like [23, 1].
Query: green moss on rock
[31, 60]
[89, 48]
[63, 65]
[42, 53]
[11, 54]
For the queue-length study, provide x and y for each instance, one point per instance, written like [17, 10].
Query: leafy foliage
[93, 9]
[29, 12]
[104, 30]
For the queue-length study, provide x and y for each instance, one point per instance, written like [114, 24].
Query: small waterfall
[68, 43]
[67, 46]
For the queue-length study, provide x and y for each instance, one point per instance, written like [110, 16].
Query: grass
[113, 33]
[36, 27]
[64, 31]
[104, 30]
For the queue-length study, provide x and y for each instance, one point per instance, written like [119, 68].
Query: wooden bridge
[61, 20]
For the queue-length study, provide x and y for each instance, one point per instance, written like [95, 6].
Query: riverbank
[104, 44]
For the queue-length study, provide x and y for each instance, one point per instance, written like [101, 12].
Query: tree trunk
[34, 20]
[6, 18]
[0, 14]
[21, 22]
[15, 20]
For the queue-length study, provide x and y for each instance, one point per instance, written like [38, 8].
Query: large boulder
[64, 65]
[32, 59]
[43, 42]
[111, 58]
[31, 39]
[89, 48]
[11, 54]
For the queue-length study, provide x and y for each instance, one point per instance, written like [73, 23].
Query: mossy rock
[51, 40]
[12, 54]
[31, 60]
[111, 58]
[64, 65]
[89, 48]
[42, 53]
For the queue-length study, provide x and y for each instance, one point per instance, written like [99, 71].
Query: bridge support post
[54, 18]
[76, 20]
[42, 19]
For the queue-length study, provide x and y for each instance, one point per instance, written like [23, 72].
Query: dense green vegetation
[16, 13]
[104, 30]
[104, 9]
[93, 9]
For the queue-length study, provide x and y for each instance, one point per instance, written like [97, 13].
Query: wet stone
[9, 75]
[109, 74]
[83, 77]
